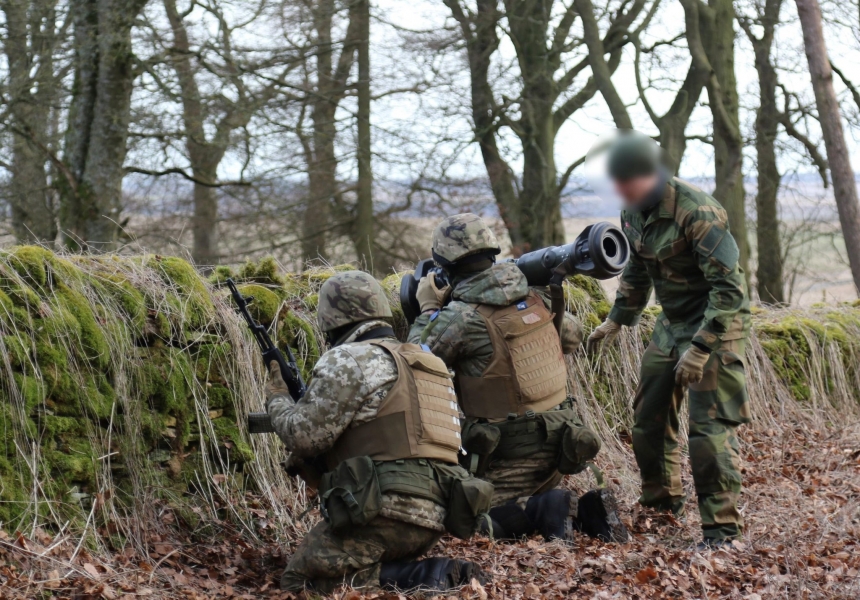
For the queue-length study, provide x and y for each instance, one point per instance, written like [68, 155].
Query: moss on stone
[265, 305]
[195, 302]
[226, 430]
[31, 263]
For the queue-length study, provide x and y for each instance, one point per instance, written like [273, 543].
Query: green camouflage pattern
[458, 335]
[351, 297]
[348, 385]
[323, 561]
[718, 404]
[683, 250]
[462, 235]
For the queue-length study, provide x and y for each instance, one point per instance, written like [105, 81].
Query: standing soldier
[682, 248]
[521, 430]
[383, 417]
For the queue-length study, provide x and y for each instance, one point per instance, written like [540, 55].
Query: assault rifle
[259, 422]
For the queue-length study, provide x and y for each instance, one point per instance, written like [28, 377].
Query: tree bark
[838, 158]
[771, 288]
[728, 141]
[30, 45]
[99, 118]
[363, 230]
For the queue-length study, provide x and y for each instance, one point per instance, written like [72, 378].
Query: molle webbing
[527, 371]
[418, 418]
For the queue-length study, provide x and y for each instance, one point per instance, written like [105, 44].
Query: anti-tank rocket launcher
[600, 251]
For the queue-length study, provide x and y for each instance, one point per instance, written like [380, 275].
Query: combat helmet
[460, 236]
[351, 297]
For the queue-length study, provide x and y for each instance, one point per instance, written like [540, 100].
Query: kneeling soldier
[497, 335]
[383, 416]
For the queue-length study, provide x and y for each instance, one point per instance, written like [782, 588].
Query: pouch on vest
[468, 500]
[521, 437]
[350, 495]
[579, 445]
[480, 438]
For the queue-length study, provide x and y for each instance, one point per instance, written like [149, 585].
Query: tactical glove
[691, 367]
[604, 334]
[275, 386]
[429, 296]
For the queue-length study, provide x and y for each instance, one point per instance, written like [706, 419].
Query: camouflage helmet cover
[351, 297]
[462, 235]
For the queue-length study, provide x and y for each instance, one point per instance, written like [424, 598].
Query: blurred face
[634, 190]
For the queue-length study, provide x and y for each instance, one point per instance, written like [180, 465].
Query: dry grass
[230, 532]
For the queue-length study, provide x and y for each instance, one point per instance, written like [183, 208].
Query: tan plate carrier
[527, 371]
[418, 418]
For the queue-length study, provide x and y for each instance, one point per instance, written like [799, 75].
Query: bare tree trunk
[728, 141]
[99, 119]
[844, 185]
[30, 44]
[769, 272]
[363, 233]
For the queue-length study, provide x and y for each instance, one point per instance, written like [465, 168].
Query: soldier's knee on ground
[432, 574]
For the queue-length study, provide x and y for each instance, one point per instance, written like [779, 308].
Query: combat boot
[553, 514]
[507, 522]
[432, 574]
[597, 516]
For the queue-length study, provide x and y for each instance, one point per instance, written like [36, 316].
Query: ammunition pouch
[468, 501]
[350, 495]
[579, 445]
[557, 430]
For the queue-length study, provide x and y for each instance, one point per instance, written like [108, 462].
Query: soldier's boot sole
[597, 516]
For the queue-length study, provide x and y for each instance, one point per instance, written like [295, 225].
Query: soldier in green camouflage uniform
[683, 250]
[526, 500]
[350, 383]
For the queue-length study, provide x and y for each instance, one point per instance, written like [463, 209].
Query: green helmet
[460, 236]
[632, 154]
[351, 297]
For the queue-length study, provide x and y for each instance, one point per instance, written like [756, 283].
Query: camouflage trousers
[718, 404]
[323, 560]
[521, 477]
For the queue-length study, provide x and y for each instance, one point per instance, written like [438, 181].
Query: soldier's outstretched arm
[634, 290]
[336, 393]
[718, 254]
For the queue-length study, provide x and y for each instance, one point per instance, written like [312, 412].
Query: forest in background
[330, 130]
[151, 148]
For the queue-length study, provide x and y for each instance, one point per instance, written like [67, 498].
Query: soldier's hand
[429, 296]
[691, 367]
[603, 334]
[275, 386]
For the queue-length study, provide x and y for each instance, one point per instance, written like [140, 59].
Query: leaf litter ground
[801, 503]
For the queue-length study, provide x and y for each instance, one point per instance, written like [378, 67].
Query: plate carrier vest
[527, 371]
[418, 418]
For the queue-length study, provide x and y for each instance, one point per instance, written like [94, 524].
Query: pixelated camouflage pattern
[462, 235]
[350, 297]
[684, 251]
[323, 561]
[458, 335]
[348, 385]
[718, 404]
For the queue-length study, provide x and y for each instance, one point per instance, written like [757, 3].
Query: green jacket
[683, 250]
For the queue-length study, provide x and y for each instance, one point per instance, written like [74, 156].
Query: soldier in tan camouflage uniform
[383, 417]
[497, 334]
[682, 249]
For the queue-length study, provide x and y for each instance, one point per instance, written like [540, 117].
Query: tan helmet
[460, 236]
[351, 297]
